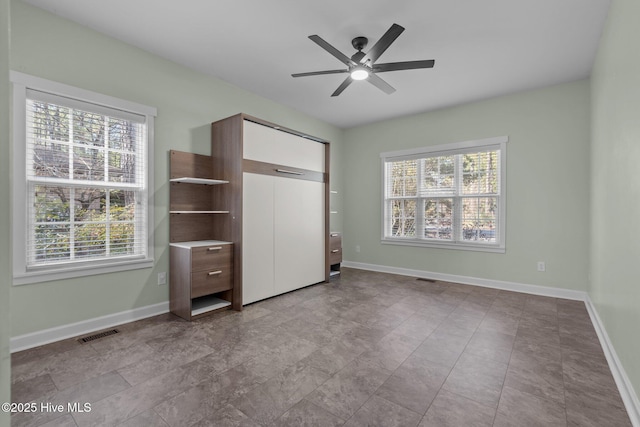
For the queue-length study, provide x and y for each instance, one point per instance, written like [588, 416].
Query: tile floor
[367, 349]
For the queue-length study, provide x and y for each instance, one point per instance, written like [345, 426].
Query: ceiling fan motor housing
[359, 43]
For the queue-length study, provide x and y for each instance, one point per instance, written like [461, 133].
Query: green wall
[5, 211]
[615, 190]
[47, 46]
[547, 186]
[563, 196]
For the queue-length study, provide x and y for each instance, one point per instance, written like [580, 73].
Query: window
[448, 196]
[82, 180]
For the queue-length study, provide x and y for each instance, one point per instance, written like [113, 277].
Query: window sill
[68, 272]
[439, 245]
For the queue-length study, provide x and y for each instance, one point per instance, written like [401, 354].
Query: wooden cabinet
[278, 198]
[201, 266]
[200, 272]
[211, 268]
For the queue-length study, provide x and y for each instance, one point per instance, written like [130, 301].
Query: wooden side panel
[190, 197]
[185, 164]
[226, 153]
[327, 209]
[180, 282]
[187, 227]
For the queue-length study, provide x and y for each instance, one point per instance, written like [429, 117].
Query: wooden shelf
[208, 303]
[195, 243]
[199, 212]
[204, 181]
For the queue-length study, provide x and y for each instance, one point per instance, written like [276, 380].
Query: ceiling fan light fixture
[359, 73]
[363, 66]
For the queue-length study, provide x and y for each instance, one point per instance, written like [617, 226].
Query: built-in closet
[278, 202]
[251, 220]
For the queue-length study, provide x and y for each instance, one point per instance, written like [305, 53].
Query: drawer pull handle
[289, 172]
[216, 248]
[335, 251]
[335, 235]
[213, 273]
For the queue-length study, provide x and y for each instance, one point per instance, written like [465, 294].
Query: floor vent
[98, 335]
[422, 279]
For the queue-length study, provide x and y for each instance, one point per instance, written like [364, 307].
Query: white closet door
[299, 233]
[257, 237]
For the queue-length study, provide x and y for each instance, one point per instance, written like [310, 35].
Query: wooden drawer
[335, 248]
[214, 257]
[210, 281]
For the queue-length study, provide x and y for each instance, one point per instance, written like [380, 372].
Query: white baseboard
[35, 339]
[627, 392]
[466, 280]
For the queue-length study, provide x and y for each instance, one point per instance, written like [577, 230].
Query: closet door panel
[257, 237]
[299, 233]
[265, 144]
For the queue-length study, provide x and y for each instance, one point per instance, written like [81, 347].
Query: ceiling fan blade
[318, 73]
[332, 50]
[408, 65]
[382, 44]
[343, 86]
[380, 84]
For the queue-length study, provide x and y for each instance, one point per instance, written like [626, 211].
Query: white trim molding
[43, 89]
[35, 339]
[627, 392]
[422, 195]
[476, 281]
[625, 387]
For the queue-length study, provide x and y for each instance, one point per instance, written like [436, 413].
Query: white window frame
[21, 274]
[499, 143]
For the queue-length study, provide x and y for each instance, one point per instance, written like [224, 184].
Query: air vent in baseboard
[98, 335]
[422, 279]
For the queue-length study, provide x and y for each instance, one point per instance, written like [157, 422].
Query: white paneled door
[299, 233]
[257, 237]
[283, 235]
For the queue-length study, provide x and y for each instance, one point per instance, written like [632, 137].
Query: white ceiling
[482, 48]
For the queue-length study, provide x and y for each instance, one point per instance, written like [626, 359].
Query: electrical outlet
[541, 266]
[358, 248]
[162, 278]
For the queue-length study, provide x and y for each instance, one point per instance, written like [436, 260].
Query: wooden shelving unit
[201, 265]
[335, 252]
[335, 245]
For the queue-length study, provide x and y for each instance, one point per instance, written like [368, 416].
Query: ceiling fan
[362, 66]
